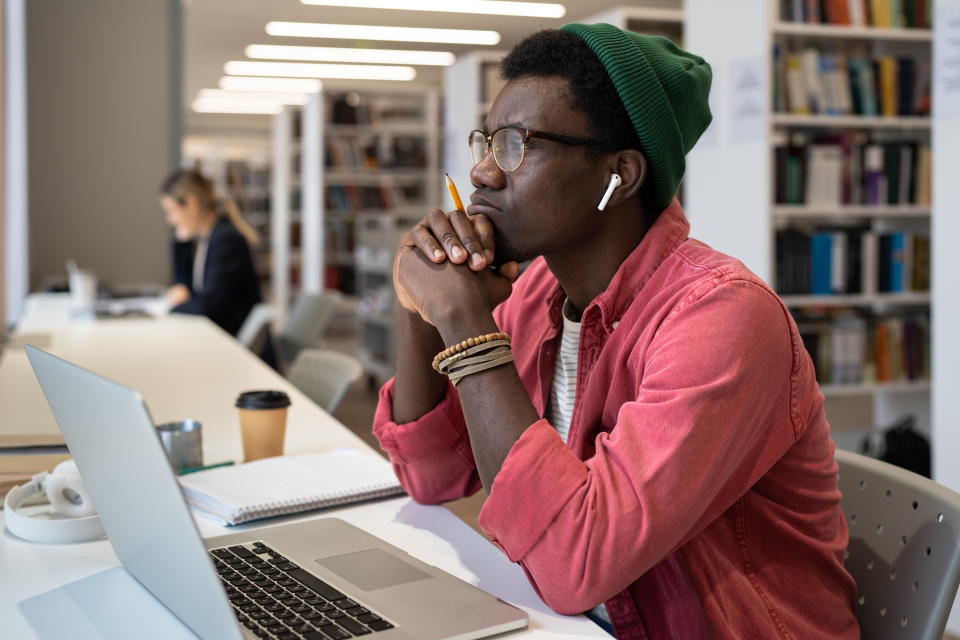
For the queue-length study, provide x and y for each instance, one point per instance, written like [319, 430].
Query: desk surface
[186, 367]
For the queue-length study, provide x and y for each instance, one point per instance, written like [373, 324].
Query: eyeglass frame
[527, 134]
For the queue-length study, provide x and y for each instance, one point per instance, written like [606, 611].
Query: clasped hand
[441, 268]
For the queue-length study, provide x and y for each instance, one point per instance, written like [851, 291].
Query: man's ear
[632, 167]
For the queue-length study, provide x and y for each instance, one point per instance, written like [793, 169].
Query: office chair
[324, 375]
[904, 549]
[252, 330]
[309, 318]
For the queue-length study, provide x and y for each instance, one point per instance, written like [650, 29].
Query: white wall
[945, 234]
[15, 236]
[727, 184]
[103, 130]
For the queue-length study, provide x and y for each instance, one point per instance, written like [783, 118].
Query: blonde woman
[213, 266]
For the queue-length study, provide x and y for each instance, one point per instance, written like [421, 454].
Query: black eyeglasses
[509, 144]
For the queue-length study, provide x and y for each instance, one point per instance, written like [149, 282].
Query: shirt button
[615, 323]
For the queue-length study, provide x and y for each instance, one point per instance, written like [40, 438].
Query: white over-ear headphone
[615, 182]
[66, 493]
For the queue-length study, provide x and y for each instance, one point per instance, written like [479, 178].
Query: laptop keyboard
[276, 598]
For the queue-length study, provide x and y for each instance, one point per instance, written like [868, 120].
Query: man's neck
[585, 270]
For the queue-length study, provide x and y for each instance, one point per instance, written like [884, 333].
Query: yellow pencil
[453, 194]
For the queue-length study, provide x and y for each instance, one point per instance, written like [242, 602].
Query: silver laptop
[318, 579]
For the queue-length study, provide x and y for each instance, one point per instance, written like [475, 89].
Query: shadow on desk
[109, 604]
[483, 559]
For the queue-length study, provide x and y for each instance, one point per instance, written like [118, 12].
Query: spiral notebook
[289, 484]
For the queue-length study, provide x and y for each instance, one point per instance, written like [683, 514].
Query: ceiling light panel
[308, 70]
[252, 96]
[338, 54]
[489, 7]
[236, 106]
[369, 32]
[281, 85]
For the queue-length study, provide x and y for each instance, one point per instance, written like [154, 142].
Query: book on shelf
[887, 14]
[852, 260]
[378, 151]
[852, 349]
[354, 108]
[851, 169]
[811, 81]
[289, 484]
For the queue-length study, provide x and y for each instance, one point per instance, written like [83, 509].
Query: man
[656, 452]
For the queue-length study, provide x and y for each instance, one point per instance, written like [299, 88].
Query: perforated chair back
[904, 550]
[254, 324]
[324, 375]
[309, 318]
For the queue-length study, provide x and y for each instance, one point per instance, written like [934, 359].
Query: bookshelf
[350, 163]
[381, 173]
[819, 180]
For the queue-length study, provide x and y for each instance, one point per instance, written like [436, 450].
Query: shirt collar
[668, 231]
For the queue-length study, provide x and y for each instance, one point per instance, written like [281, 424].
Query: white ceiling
[216, 31]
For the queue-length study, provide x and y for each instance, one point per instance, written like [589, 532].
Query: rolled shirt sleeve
[431, 455]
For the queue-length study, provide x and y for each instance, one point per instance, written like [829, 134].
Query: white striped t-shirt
[563, 389]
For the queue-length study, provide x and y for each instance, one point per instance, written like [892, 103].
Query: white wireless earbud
[615, 182]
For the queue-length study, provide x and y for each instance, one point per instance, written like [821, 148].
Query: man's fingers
[441, 228]
[469, 238]
[484, 229]
[509, 270]
[427, 243]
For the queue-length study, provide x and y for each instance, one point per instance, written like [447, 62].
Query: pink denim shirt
[697, 493]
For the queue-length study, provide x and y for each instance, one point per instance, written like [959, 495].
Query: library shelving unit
[383, 174]
[816, 174]
[356, 166]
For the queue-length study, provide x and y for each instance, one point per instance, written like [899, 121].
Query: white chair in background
[324, 375]
[309, 318]
[904, 548]
[256, 326]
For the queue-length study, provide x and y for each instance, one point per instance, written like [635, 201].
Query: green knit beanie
[664, 90]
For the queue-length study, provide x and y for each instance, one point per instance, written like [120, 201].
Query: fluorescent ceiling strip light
[490, 7]
[283, 85]
[309, 70]
[252, 96]
[366, 32]
[236, 106]
[339, 54]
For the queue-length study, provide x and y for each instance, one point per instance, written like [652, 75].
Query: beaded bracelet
[466, 344]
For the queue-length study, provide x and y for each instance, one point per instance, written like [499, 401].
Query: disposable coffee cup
[263, 423]
[183, 442]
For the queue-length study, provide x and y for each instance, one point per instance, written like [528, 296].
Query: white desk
[185, 367]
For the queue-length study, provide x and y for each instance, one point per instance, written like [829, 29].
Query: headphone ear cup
[66, 493]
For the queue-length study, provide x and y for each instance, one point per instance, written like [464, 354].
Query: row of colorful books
[810, 81]
[855, 349]
[890, 14]
[376, 152]
[849, 261]
[851, 169]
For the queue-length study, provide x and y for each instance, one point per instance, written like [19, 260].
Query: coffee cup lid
[263, 400]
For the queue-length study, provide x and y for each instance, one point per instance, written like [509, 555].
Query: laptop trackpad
[372, 569]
